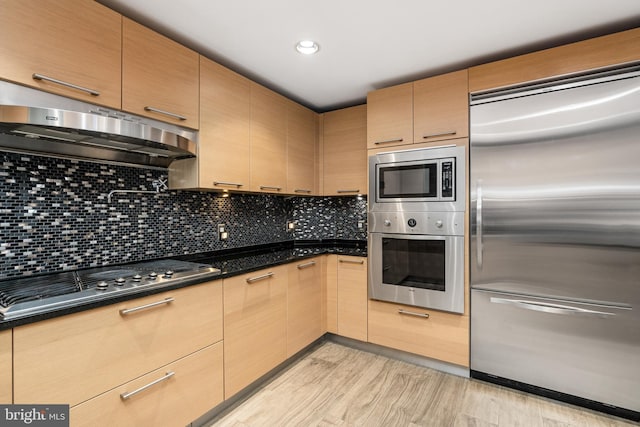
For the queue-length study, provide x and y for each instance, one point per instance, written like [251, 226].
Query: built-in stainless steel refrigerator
[555, 239]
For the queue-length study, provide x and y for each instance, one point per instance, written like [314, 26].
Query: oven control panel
[433, 223]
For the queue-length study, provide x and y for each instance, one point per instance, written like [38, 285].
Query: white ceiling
[369, 44]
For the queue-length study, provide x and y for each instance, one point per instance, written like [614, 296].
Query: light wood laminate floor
[336, 385]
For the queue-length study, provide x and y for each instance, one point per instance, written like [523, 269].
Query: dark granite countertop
[231, 262]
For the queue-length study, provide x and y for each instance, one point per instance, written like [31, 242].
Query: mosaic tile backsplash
[55, 216]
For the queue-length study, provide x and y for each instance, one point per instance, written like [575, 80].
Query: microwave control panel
[448, 177]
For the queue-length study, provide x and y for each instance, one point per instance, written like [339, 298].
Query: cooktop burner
[34, 295]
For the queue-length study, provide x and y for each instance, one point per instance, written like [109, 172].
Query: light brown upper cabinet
[72, 48]
[302, 166]
[605, 51]
[441, 107]
[431, 109]
[344, 149]
[390, 116]
[223, 146]
[268, 140]
[160, 77]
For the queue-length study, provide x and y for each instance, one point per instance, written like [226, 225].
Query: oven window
[411, 181]
[413, 263]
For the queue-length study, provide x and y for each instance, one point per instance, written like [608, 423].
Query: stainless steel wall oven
[416, 227]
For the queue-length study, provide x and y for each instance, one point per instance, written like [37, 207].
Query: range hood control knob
[168, 273]
[101, 286]
[120, 281]
[153, 275]
[137, 278]
[439, 223]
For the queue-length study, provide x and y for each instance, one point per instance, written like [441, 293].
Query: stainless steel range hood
[44, 123]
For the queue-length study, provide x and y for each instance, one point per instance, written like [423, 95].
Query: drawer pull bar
[302, 190]
[166, 113]
[37, 76]
[165, 301]
[258, 278]
[266, 187]
[125, 396]
[232, 184]
[347, 191]
[306, 265]
[388, 141]
[433, 135]
[348, 261]
[413, 313]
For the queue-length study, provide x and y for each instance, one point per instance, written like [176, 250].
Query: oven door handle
[479, 234]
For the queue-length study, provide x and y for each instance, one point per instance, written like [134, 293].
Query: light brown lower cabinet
[175, 395]
[73, 358]
[255, 326]
[352, 297]
[6, 374]
[431, 333]
[304, 304]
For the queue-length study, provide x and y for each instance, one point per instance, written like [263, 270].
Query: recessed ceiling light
[307, 47]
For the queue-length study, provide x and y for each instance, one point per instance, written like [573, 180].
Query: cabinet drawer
[90, 352]
[6, 377]
[176, 395]
[352, 297]
[442, 336]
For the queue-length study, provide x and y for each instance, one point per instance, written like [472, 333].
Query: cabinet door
[94, 351]
[75, 42]
[441, 107]
[390, 116]
[255, 326]
[331, 293]
[6, 375]
[345, 151]
[187, 389]
[302, 166]
[352, 297]
[431, 333]
[268, 140]
[304, 304]
[225, 115]
[160, 77]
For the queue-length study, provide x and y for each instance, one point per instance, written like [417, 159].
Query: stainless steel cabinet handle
[348, 261]
[258, 278]
[413, 313]
[347, 191]
[388, 141]
[232, 184]
[165, 301]
[433, 135]
[166, 113]
[266, 187]
[125, 396]
[550, 308]
[479, 244]
[37, 76]
[302, 190]
[305, 265]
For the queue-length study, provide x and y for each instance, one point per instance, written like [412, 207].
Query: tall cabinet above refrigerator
[555, 239]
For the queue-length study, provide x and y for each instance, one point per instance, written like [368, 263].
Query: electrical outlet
[291, 225]
[223, 234]
[361, 224]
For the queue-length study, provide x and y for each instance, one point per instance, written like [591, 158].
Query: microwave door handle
[479, 243]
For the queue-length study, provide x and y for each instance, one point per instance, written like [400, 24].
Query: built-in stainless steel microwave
[424, 179]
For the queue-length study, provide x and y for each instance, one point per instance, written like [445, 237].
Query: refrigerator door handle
[479, 244]
[550, 308]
